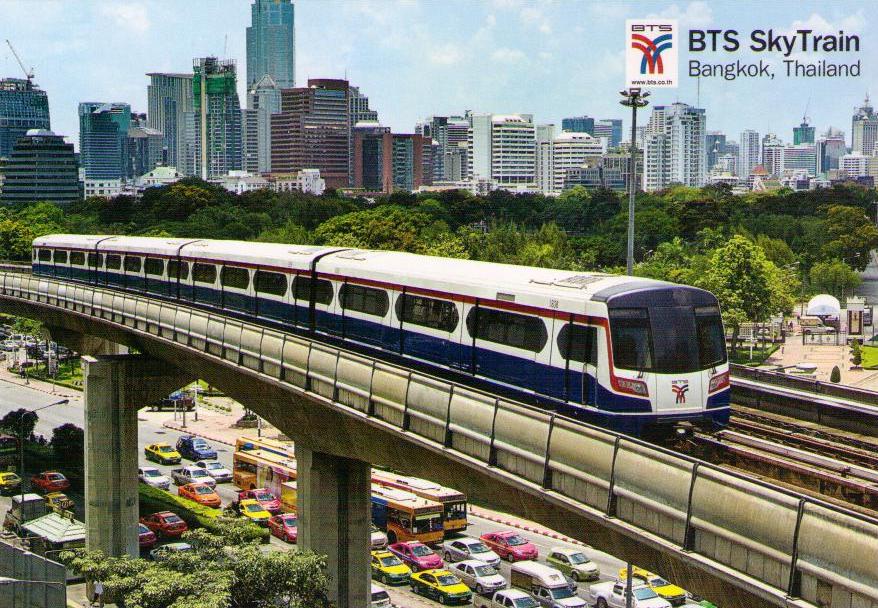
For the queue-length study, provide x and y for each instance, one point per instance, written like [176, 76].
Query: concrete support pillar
[334, 508]
[115, 387]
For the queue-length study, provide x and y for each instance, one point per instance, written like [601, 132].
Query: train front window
[711, 338]
[632, 348]
[673, 339]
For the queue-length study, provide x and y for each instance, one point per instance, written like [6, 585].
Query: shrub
[856, 353]
[835, 376]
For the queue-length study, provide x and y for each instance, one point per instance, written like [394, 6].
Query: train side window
[36, 254]
[427, 312]
[273, 283]
[154, 266]
[507, 328]
[322, 290]
[96, 260]
[368, 300]
[132, 263]
[578, 343]
[45, 255]
[233, 276]
[59, 256]
[174, 267]
[114, 262]
[204, 273]
[77, 258]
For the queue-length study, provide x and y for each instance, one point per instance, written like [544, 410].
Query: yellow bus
[453, 502]
[404, 516]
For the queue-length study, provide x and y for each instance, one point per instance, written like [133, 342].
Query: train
[630, 354]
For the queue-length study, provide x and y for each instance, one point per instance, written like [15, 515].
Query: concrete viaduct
[745, 543]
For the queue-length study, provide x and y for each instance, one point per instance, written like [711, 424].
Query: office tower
[103, 139]
[572, 150]
[578, 124]
[804, 133]
[41, 167]
[501, 149]
[610, 128]
[250, 141]
[864, 129]
[450, 133]
[748, 152]
[772, 155]
[214, 129]
[169, 102]
[145, 146]
[263, 98]
[854, 164]
[313, 131]
[621, 162]
[271, 43]
[714, 145]
[800, 158]
[545, 137]
[387, 162]
[360, 111]
[23, 106]
[674, 147]
[830, 147]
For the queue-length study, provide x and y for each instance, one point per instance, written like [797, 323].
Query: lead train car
[629, 354]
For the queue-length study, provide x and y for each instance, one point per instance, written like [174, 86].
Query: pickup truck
[192, 474]
[507, 598]
[612, 595]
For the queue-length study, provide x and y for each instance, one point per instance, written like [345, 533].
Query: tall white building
[502, 148]
[854, 165]
[772, 154]
[864, 127]
[674, 147]
[573, 151]
[545, 156]
[748, 152]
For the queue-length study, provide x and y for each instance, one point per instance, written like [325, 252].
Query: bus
[404, 516]
[453, 502]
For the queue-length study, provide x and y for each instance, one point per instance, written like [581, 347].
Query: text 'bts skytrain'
[625, 353]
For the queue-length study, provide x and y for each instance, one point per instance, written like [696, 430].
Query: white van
[547, 585]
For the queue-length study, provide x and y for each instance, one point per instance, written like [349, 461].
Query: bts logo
[680, 388]
[651, 52]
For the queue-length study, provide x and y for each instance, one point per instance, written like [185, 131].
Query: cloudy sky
[551, 58]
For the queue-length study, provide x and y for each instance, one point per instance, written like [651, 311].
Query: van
[547, 585]
[380, 597]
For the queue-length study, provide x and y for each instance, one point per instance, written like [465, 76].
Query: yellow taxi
[252, 510]
[162, 453]
[9, 483]
[442, 586]
[59, 500]
[389, 569]
[665, 590]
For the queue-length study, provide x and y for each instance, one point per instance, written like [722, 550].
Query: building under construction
[214, 130]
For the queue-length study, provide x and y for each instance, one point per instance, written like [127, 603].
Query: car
[192, 474]
[510, 545]
[215, 469]
[466, 547]
[613, 594]
[165, 524]
[389, 569]
[284, 526]
[177, 402]
[253, 511]
[59, 501]
[380, 597]
[442, 586]
[673, 594]
[508, 598]
[478, 576]
[9, 483]
[195, 448]
[265, 498]
[162, 453]
[50, 481]
[416, 555]
[573, 563]
[377, 538]
[151, 476]
[164, 551]
[146, 538]
[201, 493]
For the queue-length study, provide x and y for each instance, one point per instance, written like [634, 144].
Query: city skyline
[415, 58]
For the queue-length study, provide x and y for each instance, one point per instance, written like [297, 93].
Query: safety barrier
[797, 545]
[799, 383]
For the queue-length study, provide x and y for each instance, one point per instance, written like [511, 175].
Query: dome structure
[823, 305]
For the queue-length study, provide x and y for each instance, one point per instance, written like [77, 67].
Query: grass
[870, 357]
[760, 354]
[69, 374]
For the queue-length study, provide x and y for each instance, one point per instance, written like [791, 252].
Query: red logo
[680, 390]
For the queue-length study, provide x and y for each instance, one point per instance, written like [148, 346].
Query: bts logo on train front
[651, 52]
[680, 388]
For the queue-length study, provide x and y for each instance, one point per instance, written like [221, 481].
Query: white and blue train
[625, 353]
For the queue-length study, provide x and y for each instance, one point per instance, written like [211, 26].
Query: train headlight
[635, 387]
[718, 382]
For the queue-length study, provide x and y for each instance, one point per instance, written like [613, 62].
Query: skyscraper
[169, 102]
[715, 145]
[103, 139]
[271, 43]
[214, 132]
[385, 161]
[578, 124]
[263, 98]
[571, 150]
[144, 147]
[802, 157]
[23, 106]
[748, 152]
[450, 133]
[830, 148]
[545, 138]
[773, 155]
[41, 167]
[674, 147]
[502, 150]
[612, 127]
[804, 133]
[864, 129]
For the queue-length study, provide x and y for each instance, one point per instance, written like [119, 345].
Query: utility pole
[629, 585]
[632, 98]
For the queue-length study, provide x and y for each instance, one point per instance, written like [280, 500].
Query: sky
[415, 58]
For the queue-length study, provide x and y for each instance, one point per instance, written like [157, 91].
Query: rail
[773, 542]
[812, 385]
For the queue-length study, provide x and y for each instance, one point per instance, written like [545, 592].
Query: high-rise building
[41, 167]
[360, 110]
[572, 150]
[715, 144]
[387, 162]
[214, 132]
[804, 133]
[169, 102]
[103, 139]
[864, 129]
[610, 128]
[830, 148]
[800, 158]
[727, 163]
[773, 155]
[23, 106]
[250, 141]
[144, 147]
[545, 138]
[748, 152]
[854, 165]
[674, 147]
[501, 148]
[271, 43]
[313, 131]
[263, 98]
[578, 124]
[450, 133]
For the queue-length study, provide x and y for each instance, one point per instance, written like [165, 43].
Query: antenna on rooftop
[28, 75]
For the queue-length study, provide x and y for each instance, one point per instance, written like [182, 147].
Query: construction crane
[28, 75]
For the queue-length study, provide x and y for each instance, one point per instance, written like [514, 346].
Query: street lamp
[632, 98]
[21, 440]
[5, 580]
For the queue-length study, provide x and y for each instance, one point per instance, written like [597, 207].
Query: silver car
[151, 476]
[466, 547]
[479, 576]
[215, 469]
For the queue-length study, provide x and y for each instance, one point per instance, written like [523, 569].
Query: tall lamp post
[21, 439]
[633, 98]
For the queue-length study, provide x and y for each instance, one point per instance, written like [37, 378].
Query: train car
[627, 353]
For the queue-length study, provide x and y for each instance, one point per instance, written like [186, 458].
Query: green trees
[20, 423]
[834, 277]
[851, 236]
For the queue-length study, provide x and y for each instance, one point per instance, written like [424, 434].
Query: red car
[165, 523]
[284, 526]
[265, 499]
[50, 481]
[146, 538]
[510, 545]
[416, 555]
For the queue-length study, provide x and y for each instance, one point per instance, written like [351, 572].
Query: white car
[215, 469]
[466, 547]
[380, 597]
[479, 576]
[378, 539]
[151, 476]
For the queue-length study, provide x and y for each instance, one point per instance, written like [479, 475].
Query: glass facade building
[103, 139]
[271, 43]
[41, 167]
[169, 98]
[23, 106]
